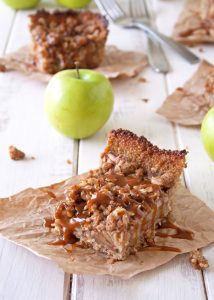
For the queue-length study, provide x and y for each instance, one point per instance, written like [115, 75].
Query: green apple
[74, 3]
[207, 132]
[22, 4]
[78, 102]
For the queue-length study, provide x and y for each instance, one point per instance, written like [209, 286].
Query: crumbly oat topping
[198, 261]
[111, 203]
[63, 37]
[15, 153]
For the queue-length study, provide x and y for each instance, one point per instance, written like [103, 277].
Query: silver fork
[118, 16]
[139, 10]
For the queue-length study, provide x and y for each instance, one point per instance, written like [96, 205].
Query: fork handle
[156, 57]
[179, 48]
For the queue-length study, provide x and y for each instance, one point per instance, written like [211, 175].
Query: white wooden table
[25, 276]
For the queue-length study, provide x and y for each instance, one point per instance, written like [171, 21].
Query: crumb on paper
[145, 100]
[68, 161]
[198, 261]
[2, 68]
[142, 79]
[201, 49]
[180, 89]
[16, 154]
[33, 157]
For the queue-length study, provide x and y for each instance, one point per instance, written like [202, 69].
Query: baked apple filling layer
[116, 208]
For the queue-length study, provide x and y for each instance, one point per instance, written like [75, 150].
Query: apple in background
[22, 4]
[74, 3]
[207, 132]
[78, 102]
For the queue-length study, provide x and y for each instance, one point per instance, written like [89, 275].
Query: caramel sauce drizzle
[69, 224]
[180, 233]
[48, 222]
[161, 248]
[121, 180]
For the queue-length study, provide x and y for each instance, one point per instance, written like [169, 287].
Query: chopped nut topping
[16, 154]
[198, 261]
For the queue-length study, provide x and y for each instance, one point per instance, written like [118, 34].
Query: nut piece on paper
[198, 261]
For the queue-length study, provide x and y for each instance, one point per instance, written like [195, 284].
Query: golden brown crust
[164, 166]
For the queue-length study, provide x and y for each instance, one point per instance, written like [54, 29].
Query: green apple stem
[77, 69]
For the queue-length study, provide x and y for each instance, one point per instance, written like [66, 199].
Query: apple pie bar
[61, 38]
[116, 208]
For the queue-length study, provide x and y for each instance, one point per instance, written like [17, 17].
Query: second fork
[138, 10]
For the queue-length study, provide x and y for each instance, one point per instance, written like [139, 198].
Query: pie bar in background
[117, 208]
[62, 37]
[196, 22]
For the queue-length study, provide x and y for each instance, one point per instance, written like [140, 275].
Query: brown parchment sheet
[188, 105]
[117, 63]
[195, 23]
[22, 216]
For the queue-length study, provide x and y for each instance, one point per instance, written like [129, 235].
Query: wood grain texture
[199, 175]
[6, 24]
[177, 279]
[23, 124]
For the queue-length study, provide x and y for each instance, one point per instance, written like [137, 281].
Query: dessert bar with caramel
[117, 208]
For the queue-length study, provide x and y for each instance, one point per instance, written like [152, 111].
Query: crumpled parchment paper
[116, 63]
[195, 23]
[188, 105]
[22, 216]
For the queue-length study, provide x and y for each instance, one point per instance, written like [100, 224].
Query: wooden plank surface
[199, 175]
[23, 124]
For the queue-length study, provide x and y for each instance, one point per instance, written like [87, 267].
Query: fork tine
[136, 8]
[146, 9]
[112, 9]
[131, 11]
[117, 7]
